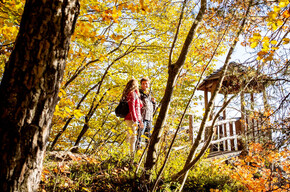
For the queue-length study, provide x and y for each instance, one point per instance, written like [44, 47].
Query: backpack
[122, 109]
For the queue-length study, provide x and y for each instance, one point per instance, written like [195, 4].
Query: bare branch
[177, 31]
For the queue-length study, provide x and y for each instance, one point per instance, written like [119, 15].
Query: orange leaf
[286, 14]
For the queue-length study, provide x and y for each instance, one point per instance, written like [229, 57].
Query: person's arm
[141, 125]
[132, 108]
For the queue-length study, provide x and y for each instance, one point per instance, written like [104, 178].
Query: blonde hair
[132, 85]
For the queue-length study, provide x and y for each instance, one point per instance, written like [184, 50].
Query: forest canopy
[114, 41]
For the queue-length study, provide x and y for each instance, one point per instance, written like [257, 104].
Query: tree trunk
[173, 70]
[157, 132]
[29, 89]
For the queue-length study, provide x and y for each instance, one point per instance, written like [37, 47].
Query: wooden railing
[227, 135]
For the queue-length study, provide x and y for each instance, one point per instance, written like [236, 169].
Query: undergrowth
[65, 171]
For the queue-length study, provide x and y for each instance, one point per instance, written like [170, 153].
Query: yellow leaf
[63, 92]
[254, 44]
[273, 15]
[277, 9]
[286, 40]
[78, 114]
[56, 108]
[139, 152]
[273, 42]
[142, 3]
[266, 46]
[279, 22]
[143, 136]
[132, 8]
[114, 13]
[266, 40]
[274, 26]
[86, 189]
[102, 57]
[67, 109]
[119, 13]
[120, 7]
[96, 8]
[45, 171]
[283, 4]
[257, 36]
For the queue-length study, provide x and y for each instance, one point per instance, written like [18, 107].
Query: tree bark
[29, 90]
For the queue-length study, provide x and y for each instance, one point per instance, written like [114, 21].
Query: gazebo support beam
[253, 127]
[265, 100]
[213, 87]
[243, 112]
[205, 98]
[224, 112]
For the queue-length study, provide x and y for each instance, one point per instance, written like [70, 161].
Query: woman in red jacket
[133, 118]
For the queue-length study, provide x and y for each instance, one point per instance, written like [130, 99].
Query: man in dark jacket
[146, 111]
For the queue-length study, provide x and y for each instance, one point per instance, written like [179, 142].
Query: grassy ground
[65, 171]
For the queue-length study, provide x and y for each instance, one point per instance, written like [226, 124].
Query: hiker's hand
[141, 125]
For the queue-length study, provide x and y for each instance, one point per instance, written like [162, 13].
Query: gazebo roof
[236, 76]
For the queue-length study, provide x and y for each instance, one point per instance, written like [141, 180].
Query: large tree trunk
[29, 89]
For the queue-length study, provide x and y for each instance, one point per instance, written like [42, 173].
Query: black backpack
[122, 109]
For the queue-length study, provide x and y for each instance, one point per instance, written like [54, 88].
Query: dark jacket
[148, 106]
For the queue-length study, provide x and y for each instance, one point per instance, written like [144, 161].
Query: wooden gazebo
[242, 80]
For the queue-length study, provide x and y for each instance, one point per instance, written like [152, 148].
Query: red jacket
[135, 106]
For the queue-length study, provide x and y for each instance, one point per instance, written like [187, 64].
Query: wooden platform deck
[223, 154]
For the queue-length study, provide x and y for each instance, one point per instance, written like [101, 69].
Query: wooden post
[266, 108]
[243, 114]
[190, 127]
[265, 99]
[236, 135]
[253, 128]
[224, 135]
[205, 106]
[252, 101]
[228, 134]
[231, 126]
[239, 131]
[225, 100]
[205, 98]
[218, 137]
[213, 87]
